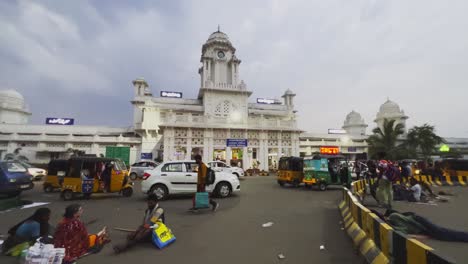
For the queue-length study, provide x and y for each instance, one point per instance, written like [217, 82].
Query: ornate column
[188, 155]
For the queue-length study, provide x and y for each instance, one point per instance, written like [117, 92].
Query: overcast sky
[78, 58]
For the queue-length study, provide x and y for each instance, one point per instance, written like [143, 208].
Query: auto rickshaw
[290, 170]
[56, 171]
[324, 170]
[86, 175]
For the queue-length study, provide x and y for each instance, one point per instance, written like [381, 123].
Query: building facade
[221, 123]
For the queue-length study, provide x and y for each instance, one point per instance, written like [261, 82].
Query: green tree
[423, 140]
[384, 143]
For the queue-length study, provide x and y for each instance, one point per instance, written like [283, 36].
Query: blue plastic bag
[202, 200]
[162, 235]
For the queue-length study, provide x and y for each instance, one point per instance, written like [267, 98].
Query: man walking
[201, 182]
[386, 178]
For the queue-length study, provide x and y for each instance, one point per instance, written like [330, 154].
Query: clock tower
[224, 96]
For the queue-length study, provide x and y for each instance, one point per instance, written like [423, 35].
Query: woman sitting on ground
[72, 235]
[27, 231]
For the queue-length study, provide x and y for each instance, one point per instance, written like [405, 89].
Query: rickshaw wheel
[308, 186]
[322, 186]
[48, 188]
[127, 192]
[67, 195]
[281, 183]
[296, 183]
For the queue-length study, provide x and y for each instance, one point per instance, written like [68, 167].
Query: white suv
[177, 177]
[221, 166]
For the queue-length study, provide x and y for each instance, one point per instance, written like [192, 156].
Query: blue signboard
[60, 121]
[87, 186]
[236, 143]
[146, 156]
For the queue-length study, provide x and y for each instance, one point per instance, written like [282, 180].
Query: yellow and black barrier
[377, 241]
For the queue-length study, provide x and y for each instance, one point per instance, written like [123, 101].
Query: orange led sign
[329, 150]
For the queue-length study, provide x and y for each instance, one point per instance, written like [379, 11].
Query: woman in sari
[27, 231]
[72, 235]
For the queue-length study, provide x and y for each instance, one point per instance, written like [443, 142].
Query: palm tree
[384, 143]
[423, 139]
[16, 156]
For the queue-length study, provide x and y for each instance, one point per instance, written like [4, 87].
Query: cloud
[336, 55]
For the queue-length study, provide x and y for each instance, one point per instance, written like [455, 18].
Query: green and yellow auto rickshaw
[324, 170]
[290, 170]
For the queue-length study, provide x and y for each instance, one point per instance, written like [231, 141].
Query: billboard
[336, 131]
[171, 94]
[236, 143]
[146, 156]
[60, 121]
[267, 101]
[330, 150]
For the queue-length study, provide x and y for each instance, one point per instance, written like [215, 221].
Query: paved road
[303, 220]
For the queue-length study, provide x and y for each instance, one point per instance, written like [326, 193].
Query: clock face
[221, 54]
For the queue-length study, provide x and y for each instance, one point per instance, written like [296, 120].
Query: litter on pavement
[269, 224]
[322, 247]
[281, 256]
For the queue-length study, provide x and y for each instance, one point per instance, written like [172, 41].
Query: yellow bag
[162, 235]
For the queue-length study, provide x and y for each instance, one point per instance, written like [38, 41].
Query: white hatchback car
[221, 166]
[178, 177]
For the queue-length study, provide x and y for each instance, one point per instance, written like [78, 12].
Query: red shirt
[72, 235]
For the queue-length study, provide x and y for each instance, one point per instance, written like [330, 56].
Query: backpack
[393, 174]
[210, 176]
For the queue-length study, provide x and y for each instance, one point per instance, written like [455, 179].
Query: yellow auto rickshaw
[56, 171]
[88, 175]
[290, 170]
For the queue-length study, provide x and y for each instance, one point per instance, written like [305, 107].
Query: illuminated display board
[329, 150]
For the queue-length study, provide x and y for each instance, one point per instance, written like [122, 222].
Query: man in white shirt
[415, 190]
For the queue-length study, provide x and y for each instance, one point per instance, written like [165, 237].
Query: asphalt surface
[303, 220]
[452, 214]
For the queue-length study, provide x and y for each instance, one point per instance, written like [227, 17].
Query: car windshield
[15, 167]
[26, 165]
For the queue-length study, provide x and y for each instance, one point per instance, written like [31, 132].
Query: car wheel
[133, 176]
[48, 188]
[67, 195]
[281, 183]
[160, 191]
[223, 189]
[14, 194]
[127, 192]
[236, 174]
[322, 186]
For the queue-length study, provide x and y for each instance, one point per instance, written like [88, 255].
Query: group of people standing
[386, 174]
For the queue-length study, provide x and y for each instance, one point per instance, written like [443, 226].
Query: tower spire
[219, 28]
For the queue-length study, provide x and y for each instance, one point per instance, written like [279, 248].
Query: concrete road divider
[377, 241]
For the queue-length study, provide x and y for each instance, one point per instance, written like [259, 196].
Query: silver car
[138, 169]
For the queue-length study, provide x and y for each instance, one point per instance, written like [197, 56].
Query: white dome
[353, 118]
[12, 94]
[11, 99]
[218, 36]
[389, 107]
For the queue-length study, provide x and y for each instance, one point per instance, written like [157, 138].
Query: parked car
[177, 177]
[36, 173]
[138, 169]
[221, 166]
[14, 178]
